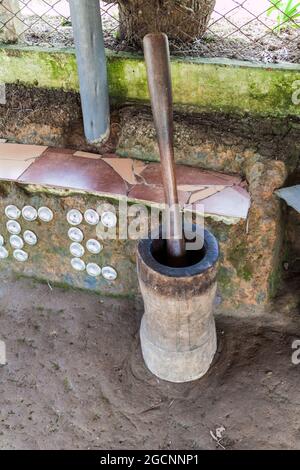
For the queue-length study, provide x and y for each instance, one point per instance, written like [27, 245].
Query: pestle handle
[157, 57]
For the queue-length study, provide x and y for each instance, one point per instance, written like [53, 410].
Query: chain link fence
[263, 30]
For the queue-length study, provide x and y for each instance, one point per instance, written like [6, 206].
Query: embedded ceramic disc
[91, 217]
[45, 214]
[3, 252]
[109, 273]
[12, 212]
[75, 234]
[94, 247]
[78, 264]
[13, 227]
[16, 242]
[1, 240]
[74, 217]
[77, 250]
[30, 238]
[109, 219]
[93, 270]
[29, 213]
[21, 255]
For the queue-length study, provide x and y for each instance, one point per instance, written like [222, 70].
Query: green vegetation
[287, 13]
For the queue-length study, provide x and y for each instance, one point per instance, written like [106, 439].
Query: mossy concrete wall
[199, 84]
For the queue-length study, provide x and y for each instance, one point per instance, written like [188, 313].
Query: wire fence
[263, 30]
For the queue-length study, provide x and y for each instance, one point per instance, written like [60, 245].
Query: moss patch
[238, 257]
[198, 85]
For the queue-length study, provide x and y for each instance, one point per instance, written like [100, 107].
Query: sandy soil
[75, 379]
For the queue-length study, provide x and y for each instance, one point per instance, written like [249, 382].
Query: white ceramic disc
[12, 212]
[94, 247]
[20, 255]
[78, 264]
[93, 270]
[13, 227]
[109, 219]
[109, 273]
[16, 242]
[45, 214]
[77, 250]
[3, 252]
[29, 213]
[30, 238]
[1, 240]
[91, 217]
[75, 234]
[74, 217]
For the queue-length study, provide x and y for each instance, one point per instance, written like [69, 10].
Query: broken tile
[291, 196]
[2, 141]
[190, 188]
[124, 168]
[61, 169]
[93, 156]
[205, 193]
[20, 152]
[138, 167]
[221, 195]
[12, 170]
[154, 194]
[231, 202]
[109, 155]
[187, 175]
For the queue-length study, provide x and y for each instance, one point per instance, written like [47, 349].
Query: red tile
[62, 169]
[61, 151]
[124, 168]
[187, 175]
[154, 194]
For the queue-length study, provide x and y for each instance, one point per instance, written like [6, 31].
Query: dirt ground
[75, 379]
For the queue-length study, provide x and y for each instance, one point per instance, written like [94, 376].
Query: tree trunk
[10, 25]
[183, 20]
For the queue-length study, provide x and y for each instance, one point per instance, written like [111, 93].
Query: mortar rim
[209, 260]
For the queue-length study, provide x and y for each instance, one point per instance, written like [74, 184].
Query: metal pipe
[91, 61]
[157, 57]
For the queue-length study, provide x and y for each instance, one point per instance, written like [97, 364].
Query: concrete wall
[212, 85]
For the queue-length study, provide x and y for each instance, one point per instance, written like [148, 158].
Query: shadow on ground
[75, 379]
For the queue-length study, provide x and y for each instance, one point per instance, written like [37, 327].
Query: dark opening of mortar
[153, 252]
[159, 253]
